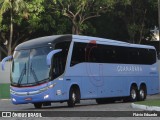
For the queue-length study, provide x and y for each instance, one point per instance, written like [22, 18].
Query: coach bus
[69, 68]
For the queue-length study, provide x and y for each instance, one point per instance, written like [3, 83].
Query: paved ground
[87, 105]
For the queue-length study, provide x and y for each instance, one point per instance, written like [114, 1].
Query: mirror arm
[4, 61]
[51, 54]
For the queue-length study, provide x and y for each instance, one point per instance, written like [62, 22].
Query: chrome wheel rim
[141, 92]
[74, 97]
[133, 94]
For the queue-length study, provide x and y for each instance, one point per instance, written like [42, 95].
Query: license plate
[28, 99]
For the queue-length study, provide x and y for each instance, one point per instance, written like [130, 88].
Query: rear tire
[133, 94]
[38, 105]
[142, 93]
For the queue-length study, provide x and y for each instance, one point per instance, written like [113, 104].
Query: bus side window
[78, 54]
[133, 56]
[59, 59]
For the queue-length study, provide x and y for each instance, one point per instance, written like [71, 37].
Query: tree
[14, 7]
[33, 21]
[26, 26]
[136, 24]
[138, 16]
[79, 11]
[46, 21]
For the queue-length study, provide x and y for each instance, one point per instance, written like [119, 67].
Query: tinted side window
[78, 54]
[59, 59]
[152, 56]
[97, 53]
[133, 56]
[122, 55]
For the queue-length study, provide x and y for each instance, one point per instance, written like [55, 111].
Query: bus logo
[6, 114]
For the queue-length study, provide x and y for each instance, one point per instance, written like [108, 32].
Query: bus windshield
[29, 67]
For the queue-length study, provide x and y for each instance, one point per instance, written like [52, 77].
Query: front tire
[72, 98]
[38, 105]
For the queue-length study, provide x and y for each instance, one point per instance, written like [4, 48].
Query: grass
[150, 102]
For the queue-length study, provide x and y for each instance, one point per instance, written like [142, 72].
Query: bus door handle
[68, 79]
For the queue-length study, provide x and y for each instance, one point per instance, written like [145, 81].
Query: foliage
[154, 102]
[14, 7]
[127, 20]
[79, 11]
[136, 16]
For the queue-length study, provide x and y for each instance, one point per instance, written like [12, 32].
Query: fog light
[14, 100]
[46, 96]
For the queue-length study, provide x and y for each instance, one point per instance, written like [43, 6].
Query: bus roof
[109, 41]
[45, 41]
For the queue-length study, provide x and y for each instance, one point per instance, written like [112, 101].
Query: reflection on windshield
[38, 70]
[19, 67]
[29, 67]
[22, 75]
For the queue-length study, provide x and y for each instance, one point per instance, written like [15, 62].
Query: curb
[5, 99]
[144, 107]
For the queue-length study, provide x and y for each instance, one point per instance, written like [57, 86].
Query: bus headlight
[13, 99]
[48, 87]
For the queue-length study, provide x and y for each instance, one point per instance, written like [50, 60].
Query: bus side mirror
[4, 61]
[50, 55]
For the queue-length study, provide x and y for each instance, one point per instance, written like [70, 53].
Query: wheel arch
[134, 84]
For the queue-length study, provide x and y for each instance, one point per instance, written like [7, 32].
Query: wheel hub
[142, 93]
[133, 94]
[74, 97]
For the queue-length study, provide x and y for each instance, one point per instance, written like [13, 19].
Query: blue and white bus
[69, 68]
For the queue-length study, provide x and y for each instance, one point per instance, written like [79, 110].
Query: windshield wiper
[34, 74]
[22, 74]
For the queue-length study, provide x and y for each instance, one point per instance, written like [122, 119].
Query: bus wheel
[142, 93]
[72, 98]
[133, 94]
[38, 105]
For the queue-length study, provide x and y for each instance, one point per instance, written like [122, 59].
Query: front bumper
[41, 97]
[42, 93]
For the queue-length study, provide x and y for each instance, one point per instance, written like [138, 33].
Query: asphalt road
[85, 105]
